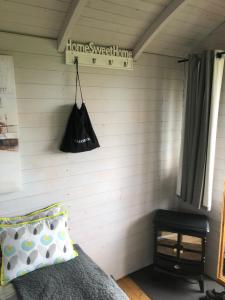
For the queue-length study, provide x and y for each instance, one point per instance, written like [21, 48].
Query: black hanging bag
[79, 135]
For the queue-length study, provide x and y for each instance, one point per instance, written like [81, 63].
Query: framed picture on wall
[10, 177]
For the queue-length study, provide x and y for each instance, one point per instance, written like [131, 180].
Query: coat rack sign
[99, 56]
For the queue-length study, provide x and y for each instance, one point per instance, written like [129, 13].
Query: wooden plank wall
[112, 191]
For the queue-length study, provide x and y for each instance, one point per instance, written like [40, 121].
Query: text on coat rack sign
[98, 56]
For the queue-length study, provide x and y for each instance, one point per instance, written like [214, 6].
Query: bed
[79, 279]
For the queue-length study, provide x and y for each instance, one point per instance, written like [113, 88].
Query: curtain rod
[218, 55]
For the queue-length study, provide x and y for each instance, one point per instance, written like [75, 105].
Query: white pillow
[34, 244]
[37, 214]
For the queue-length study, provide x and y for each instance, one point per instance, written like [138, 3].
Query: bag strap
[77, 81]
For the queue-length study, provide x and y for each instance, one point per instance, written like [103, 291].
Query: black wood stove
[180, 240]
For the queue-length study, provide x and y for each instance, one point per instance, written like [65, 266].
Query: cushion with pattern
[34, 244]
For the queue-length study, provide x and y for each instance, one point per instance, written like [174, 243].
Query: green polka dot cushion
[37, 214]
[34, 244]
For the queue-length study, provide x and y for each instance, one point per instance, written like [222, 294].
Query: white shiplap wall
[111, 191]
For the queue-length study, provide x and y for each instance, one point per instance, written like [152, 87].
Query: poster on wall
[10, 177]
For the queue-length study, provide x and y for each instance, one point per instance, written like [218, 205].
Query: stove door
[167, 243]
[190, 248]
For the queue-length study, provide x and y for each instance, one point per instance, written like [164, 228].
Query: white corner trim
[156, 26]
[72, 16]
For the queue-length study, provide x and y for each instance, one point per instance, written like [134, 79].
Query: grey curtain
[196, 127]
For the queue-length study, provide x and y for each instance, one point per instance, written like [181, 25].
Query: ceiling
[156, 26]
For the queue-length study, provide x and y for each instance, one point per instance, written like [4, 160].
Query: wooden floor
[132, 289]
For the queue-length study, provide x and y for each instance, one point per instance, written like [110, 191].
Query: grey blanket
[78, 279]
